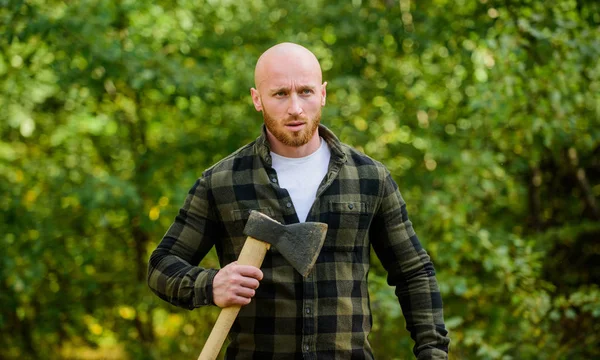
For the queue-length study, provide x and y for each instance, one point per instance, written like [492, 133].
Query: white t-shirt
[301, 177]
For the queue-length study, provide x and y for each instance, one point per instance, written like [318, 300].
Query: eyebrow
[287, 88]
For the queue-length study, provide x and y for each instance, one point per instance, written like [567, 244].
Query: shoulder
[243, 158]
[361, 160]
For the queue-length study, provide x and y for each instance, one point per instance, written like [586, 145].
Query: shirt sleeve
[410, 270]
[173, 272]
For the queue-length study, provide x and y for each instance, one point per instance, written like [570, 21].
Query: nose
[295, 108]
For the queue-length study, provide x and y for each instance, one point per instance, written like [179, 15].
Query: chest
[346, 200]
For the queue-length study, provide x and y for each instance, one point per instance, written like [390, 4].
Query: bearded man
[297, 171]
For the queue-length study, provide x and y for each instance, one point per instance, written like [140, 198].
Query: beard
[292, 138]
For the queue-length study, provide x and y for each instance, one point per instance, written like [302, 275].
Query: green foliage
[487, 114]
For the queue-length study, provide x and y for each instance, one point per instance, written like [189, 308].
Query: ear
[323, 93]
[256, 99]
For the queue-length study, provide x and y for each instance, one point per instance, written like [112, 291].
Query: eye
[280, 93]
[306, 91]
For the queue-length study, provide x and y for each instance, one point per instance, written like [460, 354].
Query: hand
[235, 284]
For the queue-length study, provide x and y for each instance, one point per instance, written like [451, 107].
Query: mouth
[295, 125]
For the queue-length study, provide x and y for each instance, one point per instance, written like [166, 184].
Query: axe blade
[299, 244]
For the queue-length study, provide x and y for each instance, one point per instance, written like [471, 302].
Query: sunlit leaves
[487, 115]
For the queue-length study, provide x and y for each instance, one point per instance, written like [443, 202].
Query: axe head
[299, 244]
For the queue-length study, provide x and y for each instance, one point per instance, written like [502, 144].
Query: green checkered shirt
[327, 314]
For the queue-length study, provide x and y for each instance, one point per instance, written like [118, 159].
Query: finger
[249, 283]
[240, 300]
[249, 271]
[245, 292]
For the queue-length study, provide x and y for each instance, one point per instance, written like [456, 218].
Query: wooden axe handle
[253, 253]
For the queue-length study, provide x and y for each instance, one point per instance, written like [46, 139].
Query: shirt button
[289, 204]
[274, 180]
[307, 310]
[350, 206]
[306, 348]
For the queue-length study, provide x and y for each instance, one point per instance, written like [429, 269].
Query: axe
[299, 244]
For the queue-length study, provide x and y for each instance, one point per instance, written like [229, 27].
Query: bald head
[282, 56]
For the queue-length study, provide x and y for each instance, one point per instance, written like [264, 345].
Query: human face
[290, 123]
[290, 95]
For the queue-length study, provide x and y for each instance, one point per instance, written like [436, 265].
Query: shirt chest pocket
[244, 214]
[348, 225]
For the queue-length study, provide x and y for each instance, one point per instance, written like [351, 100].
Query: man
[297, 170]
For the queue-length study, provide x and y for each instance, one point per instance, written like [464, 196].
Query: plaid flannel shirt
[327, 314]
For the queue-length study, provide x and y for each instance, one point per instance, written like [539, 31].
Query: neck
[294, 151]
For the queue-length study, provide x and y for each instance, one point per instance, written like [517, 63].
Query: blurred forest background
[486, 112]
